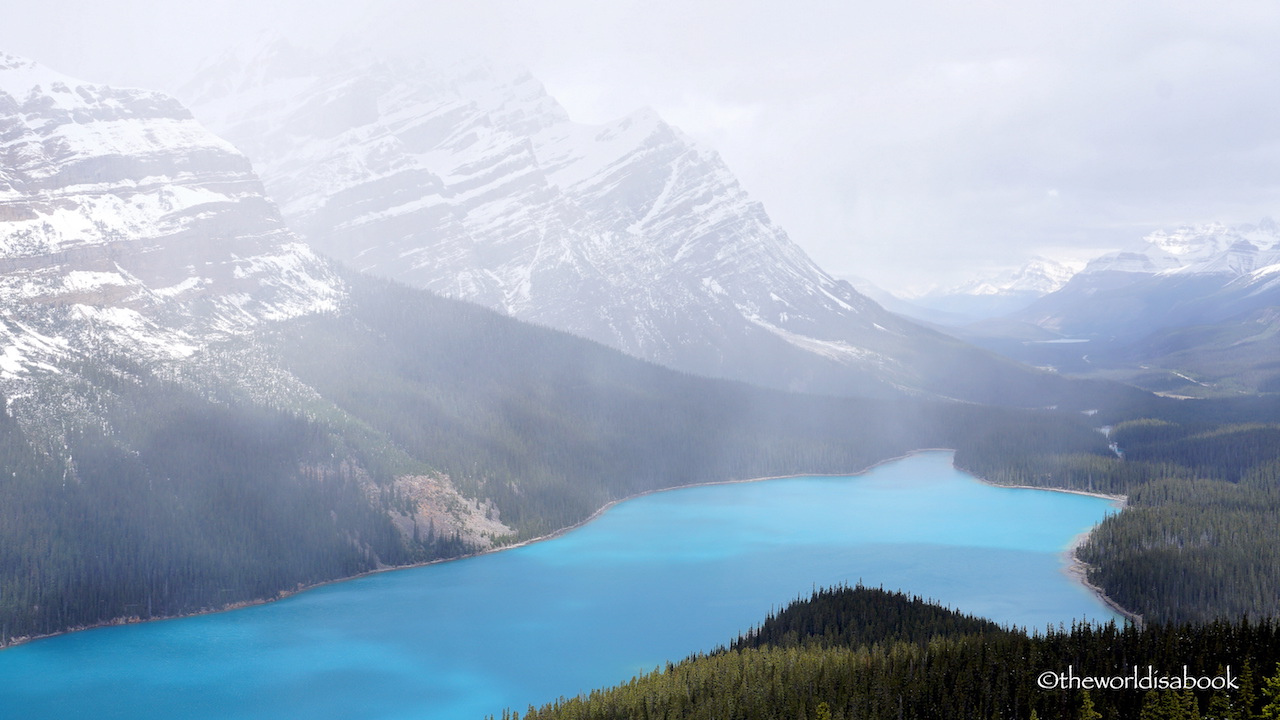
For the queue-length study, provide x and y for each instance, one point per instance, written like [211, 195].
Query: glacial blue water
[653, 579]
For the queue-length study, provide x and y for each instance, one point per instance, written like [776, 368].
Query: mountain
[1192, 305]
[1208, 249]
[128, 229]
[473, 182]
[993, 295]
[1187, 276]
[147, 465]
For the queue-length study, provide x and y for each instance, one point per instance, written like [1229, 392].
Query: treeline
[1191, 550]
[834, 657]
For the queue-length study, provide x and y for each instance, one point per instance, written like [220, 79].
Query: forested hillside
[1197, 541]
[550, 426]
[835, 656]
[177, 493]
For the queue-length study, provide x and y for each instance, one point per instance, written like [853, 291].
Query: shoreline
[1075, 568]
[283, 594]
[1078, 570]
[1075, 572]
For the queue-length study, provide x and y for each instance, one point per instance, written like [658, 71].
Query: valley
[415, 314]
[1187, 313]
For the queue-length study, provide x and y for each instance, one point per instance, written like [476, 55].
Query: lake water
[653, 579]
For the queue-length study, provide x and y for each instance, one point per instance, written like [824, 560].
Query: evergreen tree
[1087, 711]
[1220, 708]
[1246, 698]
[1271, 694]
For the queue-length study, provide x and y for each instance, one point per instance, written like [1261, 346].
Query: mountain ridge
[474, 183]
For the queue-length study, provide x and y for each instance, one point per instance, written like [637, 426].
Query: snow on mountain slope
[1212, 248]
[1039, 276]
[993, 294]
[127, 228]
[473, 182]
[1185, 303]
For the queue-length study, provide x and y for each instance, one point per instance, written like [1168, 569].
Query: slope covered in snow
[128, 229]
[993, 294]
[1183, 303]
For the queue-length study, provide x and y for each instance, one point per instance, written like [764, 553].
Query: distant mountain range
[987, 296]
[1190, 311]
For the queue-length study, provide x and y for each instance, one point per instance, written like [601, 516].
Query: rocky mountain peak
[472, 181]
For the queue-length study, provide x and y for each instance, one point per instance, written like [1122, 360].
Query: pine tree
[1271, 693]
[1245, 699]
[1220, 708]
[1087, 710]
[1189, 706]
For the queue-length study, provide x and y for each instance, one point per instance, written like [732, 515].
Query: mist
[912, 145]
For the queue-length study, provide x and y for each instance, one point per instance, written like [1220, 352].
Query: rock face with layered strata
[127, 228]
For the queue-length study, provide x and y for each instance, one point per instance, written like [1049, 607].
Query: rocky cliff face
[133, 243]
[127, 228]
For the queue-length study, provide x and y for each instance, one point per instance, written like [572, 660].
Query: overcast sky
[911, 142]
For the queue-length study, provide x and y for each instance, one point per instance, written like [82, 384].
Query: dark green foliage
[1191, 549]
[1198, 540]
[933, 665]
[844, 617]
[1223, 452]
[213, 505]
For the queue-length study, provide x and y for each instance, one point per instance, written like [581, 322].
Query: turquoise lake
[653, 579]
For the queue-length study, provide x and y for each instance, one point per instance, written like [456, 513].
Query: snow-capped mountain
[1194, 274]
[127, 228]
[1212, 249]
[1039, 276]
[473, 182]
[994, 294]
